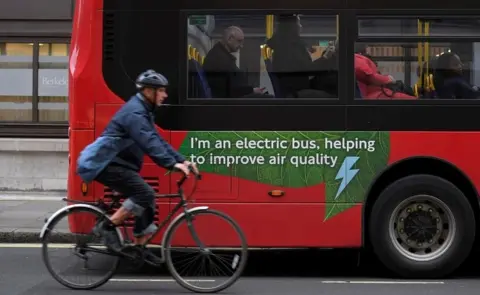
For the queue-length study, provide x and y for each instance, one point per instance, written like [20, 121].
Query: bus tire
[435, 207]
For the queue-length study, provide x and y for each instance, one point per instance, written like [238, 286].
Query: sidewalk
[23, 214]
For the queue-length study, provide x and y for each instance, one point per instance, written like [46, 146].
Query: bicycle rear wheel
[83, 244]
[180, 243]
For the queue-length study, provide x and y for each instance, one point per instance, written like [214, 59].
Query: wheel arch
[418, 165]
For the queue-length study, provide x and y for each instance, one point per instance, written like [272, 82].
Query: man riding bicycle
[116, 157]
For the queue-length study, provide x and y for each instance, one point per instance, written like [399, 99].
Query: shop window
[53, 82]
[16, 87]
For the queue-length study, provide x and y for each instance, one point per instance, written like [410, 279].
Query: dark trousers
[140, 196]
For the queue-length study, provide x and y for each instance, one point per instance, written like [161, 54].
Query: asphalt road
[22, 272]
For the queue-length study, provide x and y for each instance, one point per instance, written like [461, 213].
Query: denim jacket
[127, 138]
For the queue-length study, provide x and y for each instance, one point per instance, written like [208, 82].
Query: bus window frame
[183, 72]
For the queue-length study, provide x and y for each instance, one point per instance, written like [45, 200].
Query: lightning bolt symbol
[346, 173]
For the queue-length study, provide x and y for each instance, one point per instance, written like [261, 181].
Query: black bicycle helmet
[152, 79]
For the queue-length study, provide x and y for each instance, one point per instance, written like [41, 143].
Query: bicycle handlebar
[198, 176]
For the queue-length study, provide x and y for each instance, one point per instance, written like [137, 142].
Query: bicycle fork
[197, 240]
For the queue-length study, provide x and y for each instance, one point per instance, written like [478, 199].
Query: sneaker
[151, 258]
[109, 235]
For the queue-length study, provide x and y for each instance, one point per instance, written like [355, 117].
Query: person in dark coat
[292, 62]
[449, 81]
[224, 77]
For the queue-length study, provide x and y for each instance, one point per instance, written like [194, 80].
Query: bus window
[426, 65]
[262, 57]
[409, 27]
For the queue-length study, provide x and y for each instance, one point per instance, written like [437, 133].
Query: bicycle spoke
[193, 271]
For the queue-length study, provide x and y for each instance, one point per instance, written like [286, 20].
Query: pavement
[22, 272]
[23, 214]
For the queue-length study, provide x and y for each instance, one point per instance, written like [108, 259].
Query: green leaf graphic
[290, 175]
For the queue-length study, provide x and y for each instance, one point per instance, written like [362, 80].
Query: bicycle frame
[183, 203]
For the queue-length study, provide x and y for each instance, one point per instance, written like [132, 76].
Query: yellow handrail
[194, 52]
[263, 51]
[269, 21]
[427, 54]
[419, 52]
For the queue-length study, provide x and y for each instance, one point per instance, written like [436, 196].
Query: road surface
[22, 272]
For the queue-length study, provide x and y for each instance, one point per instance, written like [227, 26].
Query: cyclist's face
[155, 96]
[160, 95]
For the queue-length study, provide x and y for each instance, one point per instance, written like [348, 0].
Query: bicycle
[101, 209]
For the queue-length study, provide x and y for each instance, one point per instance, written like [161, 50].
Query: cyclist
[116, 157]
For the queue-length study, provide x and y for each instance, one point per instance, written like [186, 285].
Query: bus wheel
[422, 226]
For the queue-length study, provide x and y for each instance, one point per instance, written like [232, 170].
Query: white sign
[53, 82]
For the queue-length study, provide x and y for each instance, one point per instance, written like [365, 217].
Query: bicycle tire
[46, 261]
[173, 271]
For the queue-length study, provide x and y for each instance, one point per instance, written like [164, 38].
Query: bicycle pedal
[158, 265]
[133, 253]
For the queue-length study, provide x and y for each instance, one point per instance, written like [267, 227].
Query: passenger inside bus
[373, 84]
[449, 81]
[225, 78]
[292, 64]
[326, 78]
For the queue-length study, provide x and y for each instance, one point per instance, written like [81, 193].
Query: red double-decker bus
[324, 165]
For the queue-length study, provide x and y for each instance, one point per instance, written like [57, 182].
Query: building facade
[34, 47]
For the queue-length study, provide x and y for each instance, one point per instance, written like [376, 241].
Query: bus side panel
[278, 225]
[79, 139]
[256, 192]
[86, 81]
[212, 187]
[457, 148]
[278, 221]
[85, 64]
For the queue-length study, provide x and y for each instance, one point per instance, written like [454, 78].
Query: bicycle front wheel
[217, 268]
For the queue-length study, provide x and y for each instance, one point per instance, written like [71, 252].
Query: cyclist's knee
[147, 199]
[134, 207]
[142, 200]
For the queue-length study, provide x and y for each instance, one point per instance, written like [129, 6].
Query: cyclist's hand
[182, 167]
[194, 166]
